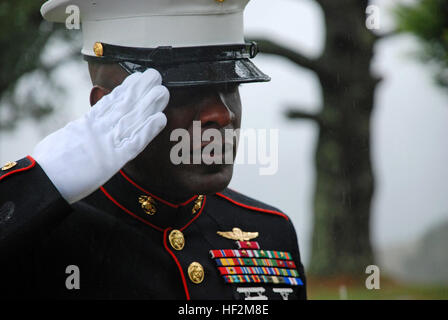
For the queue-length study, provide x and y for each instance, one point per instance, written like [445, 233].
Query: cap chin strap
[187, 66]
[131, 68]
[173, 55]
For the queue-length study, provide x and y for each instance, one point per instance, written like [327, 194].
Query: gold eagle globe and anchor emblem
[197, 204]
[148, 204]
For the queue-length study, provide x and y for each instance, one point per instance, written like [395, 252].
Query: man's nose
[216, 112]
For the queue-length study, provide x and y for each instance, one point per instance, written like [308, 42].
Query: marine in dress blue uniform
[128, 241]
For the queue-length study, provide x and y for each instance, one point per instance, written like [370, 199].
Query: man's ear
[97, 93]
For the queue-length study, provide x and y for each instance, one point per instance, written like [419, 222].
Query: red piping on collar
[184, 282]
[173, 205]
[253, 208]
[33, 163]
[146, 222]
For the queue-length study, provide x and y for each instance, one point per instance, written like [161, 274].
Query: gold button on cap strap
[196, 272]
[98, 49]
[177, 240]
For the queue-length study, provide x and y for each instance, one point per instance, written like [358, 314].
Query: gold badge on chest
[238, 234]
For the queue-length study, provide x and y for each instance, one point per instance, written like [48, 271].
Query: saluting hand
[87, 152]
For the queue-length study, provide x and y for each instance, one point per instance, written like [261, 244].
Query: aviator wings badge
[238, 234]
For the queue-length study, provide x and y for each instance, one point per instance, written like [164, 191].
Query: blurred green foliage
[388, 291]
[428, 20]
[23, 37]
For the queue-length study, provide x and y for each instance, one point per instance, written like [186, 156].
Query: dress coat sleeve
[30, 206]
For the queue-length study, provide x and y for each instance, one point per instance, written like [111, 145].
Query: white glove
[86, 153]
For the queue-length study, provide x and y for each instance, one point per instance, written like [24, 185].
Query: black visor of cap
[189, 66]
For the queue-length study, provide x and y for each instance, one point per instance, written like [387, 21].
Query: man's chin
[212, 179]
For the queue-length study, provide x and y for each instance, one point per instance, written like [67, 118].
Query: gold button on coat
[177, 240]
[196, 272]
[9, 165]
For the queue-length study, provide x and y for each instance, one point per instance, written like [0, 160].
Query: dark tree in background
[428, 21]
[23, 37]
[344, 187]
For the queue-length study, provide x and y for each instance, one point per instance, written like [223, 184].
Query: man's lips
[214, 146]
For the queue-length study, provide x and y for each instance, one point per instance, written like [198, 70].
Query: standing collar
[147, 207]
